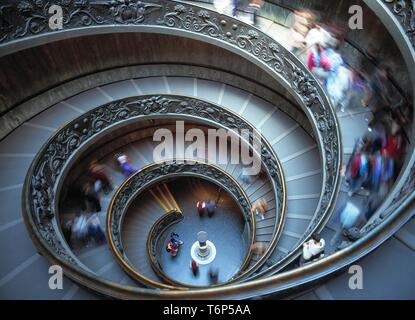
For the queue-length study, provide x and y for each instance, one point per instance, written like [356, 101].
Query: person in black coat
[210, 207]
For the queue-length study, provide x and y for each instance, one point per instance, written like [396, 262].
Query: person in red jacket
[172, 249]
[195, 267]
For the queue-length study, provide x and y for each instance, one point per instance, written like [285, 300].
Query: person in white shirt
[313, 249]
[222, 5]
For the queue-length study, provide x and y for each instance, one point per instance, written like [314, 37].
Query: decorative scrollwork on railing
[157, 230]
[404, 10]
[31, 17]
[44, 174]
[145, 179]
[27, 18]
[153, 238]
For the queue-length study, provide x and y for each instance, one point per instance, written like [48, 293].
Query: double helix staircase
[118, 109]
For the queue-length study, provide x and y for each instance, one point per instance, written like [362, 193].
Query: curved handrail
[44, 180]
[194, 22]
[402, 29]
[286, 280]
[30, 27]
[399, 19]
[155, 173]
[204, 25]
[159, 227]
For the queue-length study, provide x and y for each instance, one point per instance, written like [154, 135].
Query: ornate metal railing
[48, 171]
[42, 182]
[279, 12]
[145, 179]
[399, 18]
[26, 26]
[26, 23]
[392, 212]
[153, 240]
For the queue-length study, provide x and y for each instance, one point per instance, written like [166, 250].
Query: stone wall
[32, 71]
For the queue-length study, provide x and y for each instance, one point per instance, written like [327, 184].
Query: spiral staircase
[117, 72]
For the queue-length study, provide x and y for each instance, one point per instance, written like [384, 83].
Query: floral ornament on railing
[130, 12]
[31, 17]
[143, 180]
[40, 201]
[186, 19]
[79, 13]
[404, 10]
[262, 49]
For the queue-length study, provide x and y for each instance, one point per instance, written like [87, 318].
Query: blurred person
[85, 228]
[174, 244]
[213, 275]
[313, 38]
[259, 248]
[210, 208]
[358, 169]
[201, 208]
[125, 165]
[377, 164]
[171, 248]
[235, 5]
[375, 200]
[377, 135]
[314, 53]
[95, 230]
[313, 249]
[67, 230]
[299, 29]
[255, 6]
[326, 63]
[357, 90]
[222, 5]
[349, 217]
[246, 177]
[403, 113]
[377, 92]
[395, 150]
[175, 240]
[339, 87]
[79, 230]
[90, 197]
[337, 77]
[259, 208]
[97, 172]
[389, 169]
[394, 141]
[194, 266]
